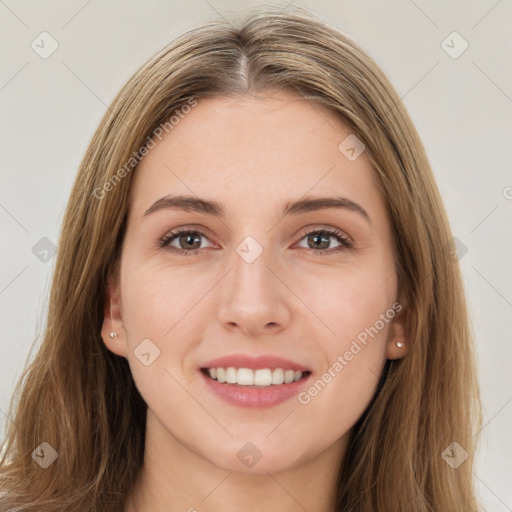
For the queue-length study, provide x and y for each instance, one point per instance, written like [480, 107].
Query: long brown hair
[80, 398]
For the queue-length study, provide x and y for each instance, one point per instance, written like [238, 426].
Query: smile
[262, 377]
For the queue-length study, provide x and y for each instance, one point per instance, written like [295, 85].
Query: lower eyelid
[344, 241]
[167, 239]
[339, 236]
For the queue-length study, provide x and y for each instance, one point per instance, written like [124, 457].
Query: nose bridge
[251, 279]
[253, 297]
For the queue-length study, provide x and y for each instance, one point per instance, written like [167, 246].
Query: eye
[189, 241]
[318, 241]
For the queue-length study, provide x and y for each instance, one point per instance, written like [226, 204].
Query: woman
[309, 350]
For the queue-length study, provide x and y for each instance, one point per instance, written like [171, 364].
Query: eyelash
[340, 237]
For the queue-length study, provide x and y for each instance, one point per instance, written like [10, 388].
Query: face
[254, 277]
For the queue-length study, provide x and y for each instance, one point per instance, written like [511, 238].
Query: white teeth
[221, 375]
[231, 375]
[263, 377]
[278, 376]
[245, 377]
[249, 377]
[289, 375]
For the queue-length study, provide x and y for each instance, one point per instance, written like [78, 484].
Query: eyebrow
[208, 207]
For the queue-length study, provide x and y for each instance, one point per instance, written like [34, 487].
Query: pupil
[189, 239]
[325, 243]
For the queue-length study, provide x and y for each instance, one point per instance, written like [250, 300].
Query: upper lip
[255, 363]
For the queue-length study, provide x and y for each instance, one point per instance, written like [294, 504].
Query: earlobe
[397, 348]
[112, 331]
[398, 344]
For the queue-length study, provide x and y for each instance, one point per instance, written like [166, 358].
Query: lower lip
[257, 398]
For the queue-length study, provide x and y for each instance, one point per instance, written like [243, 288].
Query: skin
[252, 154]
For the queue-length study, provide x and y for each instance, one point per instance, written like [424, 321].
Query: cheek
[163, 306]
[160, 302]
[356, 313]
[348, 300]
[161, 310]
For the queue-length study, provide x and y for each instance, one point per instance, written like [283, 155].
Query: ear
[397, 331]
[112, 318]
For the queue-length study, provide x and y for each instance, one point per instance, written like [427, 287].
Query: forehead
[275, 146]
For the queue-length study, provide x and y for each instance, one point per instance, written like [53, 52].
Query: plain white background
[461, 107]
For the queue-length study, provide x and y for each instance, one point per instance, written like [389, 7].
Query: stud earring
[113, 334]
[399, 344]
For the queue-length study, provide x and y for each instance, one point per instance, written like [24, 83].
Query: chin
[257, 458]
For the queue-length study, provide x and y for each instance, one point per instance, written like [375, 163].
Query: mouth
[254, 378]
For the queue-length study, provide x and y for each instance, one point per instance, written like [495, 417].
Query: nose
[254, 299]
